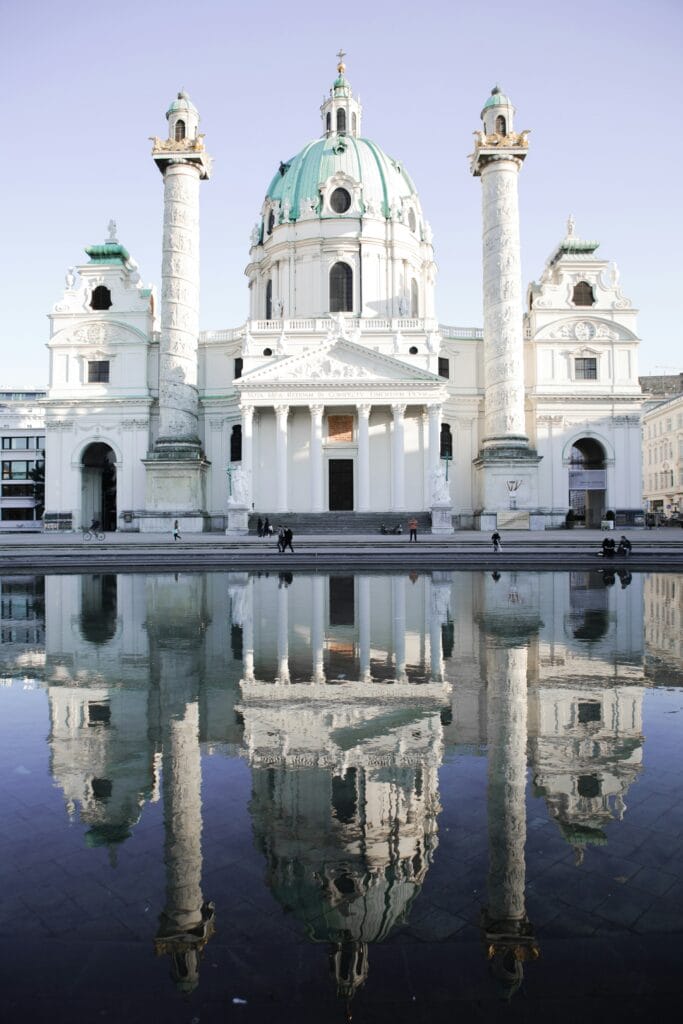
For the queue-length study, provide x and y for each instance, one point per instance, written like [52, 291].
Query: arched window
[501, 127]
[269, 301]
[446, 451]
[341, 121]
[179, 131]
[341, 288]
[271, 222]
[414, 301]
[101, 298]
[354, 123]
[583, 294]
[328, 122]
[236, 443]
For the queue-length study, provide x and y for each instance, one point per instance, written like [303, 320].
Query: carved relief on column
[178, 404]
[503, 340]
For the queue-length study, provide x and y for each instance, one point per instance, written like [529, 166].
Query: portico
[322, 445]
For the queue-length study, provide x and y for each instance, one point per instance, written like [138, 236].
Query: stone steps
[358, 523]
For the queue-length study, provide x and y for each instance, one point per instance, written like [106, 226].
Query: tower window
[239, 363]
[583, 294]
[501, 127]
[236, 443]
[269, 299]
[413, 297]
[100, 298]
[341, 288]
[271, 222]
[446, 448]
[340, 200]
[328, 122]
[98, 371]
[586, 369]
[444, 367]
[179, 130]
[341, 121]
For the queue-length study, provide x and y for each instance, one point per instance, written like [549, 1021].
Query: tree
[37, 475]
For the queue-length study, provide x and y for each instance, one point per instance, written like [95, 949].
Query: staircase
[302, 523]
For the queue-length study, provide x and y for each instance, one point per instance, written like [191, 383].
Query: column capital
[398, 410]
[364, 410]
[281, 411]
[317, 411]
[247, 413]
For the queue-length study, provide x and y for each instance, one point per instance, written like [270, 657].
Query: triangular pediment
[338, 362]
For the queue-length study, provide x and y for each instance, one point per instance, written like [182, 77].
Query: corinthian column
[281, 414]
[398, 459]
[317, 458]
[363, 458]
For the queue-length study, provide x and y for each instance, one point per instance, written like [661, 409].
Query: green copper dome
[385, 182]
[182, 102]
[497, 99]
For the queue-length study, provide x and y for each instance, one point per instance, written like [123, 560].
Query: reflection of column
[281, 414]
[508, 933]
[316, 458]
[247, 446]
[176, 620]
[398, 601]
[248, 633]
[317, 630]
[364, 614]
[282, 635]
[363, 458]
[435, 639]
[398, 458]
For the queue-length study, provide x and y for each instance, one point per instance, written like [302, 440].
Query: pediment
[337, 362]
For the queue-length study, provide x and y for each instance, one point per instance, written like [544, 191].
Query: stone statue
[240, 488]
[440, 492]
[70, 278]
[286, 209]
[255, 234]
[571, 224]
[111, 228]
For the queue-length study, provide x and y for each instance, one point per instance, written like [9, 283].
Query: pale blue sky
[85, 85]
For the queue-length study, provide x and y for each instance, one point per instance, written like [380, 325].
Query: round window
[267, 351]
[413, 350]
[340, 200]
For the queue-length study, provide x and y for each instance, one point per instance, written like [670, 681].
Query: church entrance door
[341, 485]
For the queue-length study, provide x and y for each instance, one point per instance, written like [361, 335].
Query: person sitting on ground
[397, 529]
[608, 548]
[624, 546]
[383, 529]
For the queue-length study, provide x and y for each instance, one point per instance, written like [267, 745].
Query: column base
[442, 519]
[507, 488]
[238, 520]
[175, 489]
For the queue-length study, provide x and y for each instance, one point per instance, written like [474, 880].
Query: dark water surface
[294, 797]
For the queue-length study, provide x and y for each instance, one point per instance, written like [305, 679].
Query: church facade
[342, 393]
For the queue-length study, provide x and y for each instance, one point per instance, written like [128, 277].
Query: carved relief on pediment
[326, 369]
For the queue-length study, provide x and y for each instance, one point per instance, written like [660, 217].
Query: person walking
[287, 541]
[259, 527]
[176, 531]
[267, 528]
[412, 526]
[495, 540]
[281, 538]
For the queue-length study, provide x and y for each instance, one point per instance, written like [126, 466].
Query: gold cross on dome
[340, 56]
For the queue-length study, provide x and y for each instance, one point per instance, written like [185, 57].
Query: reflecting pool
[290, 796]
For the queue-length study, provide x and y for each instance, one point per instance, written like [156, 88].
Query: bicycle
[88, 533]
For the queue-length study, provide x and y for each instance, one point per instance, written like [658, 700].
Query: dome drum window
[341, 288]
[340, 200]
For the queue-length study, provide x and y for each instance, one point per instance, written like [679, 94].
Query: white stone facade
[341, 392]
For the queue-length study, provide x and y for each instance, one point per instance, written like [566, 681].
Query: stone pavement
[660, 548]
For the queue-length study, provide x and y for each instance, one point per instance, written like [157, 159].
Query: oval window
[267, 351]
[340, 200]
[413, 350]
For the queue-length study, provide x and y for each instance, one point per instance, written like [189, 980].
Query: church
[342, 399]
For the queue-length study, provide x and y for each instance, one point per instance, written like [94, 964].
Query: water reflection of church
[344, 693]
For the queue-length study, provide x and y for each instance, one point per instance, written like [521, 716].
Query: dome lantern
[183, 118]
[341, 112]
